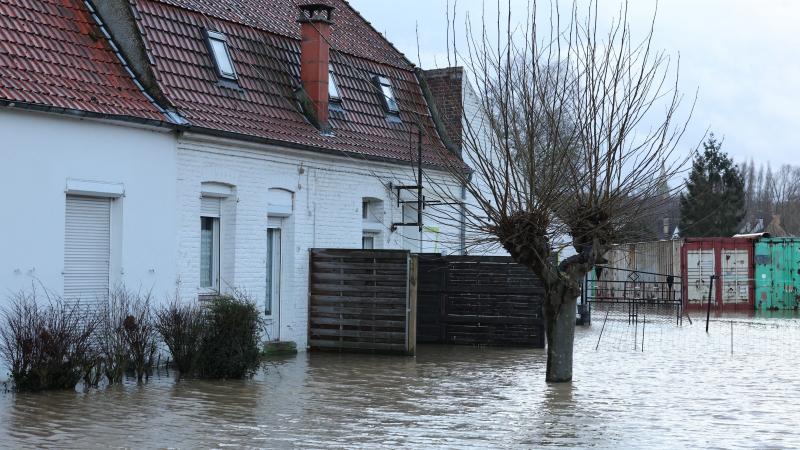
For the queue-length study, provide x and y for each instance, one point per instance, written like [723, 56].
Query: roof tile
[263, 36]
[49, 57]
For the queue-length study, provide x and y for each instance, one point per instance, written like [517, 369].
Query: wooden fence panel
[478, 300]
[361, 300]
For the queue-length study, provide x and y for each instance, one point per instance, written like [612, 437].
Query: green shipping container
[777, 273]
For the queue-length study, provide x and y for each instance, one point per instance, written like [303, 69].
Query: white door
[700, 267]
[274, 273]
[87, 249]
[735, 277]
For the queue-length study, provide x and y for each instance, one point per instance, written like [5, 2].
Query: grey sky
[742, 55]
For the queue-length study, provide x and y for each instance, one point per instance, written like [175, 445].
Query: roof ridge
[385, 39]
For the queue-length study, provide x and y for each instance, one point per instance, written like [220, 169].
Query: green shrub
[181, 327]
[230, 345]
[47, 346]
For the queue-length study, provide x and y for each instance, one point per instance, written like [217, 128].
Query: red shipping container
[731, 261]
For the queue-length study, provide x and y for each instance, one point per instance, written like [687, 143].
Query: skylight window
[333, 88]
[387, 94]
[218, 44]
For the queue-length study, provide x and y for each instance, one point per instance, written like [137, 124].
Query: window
[209, 244]
[87, 249]
[273, 270]
[218, 45]
[372, 218]
[333, 88]
[368, 241]
[387, 94]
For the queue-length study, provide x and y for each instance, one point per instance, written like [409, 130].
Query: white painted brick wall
[326, 214]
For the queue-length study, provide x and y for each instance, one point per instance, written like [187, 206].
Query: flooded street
[685, 389]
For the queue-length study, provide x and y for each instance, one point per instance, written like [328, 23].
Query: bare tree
[577, 129]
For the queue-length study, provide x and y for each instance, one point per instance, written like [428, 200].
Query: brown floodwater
[685, 388]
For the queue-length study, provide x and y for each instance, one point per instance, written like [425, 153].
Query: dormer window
[218, 45]
[387, 94]
[333, 88]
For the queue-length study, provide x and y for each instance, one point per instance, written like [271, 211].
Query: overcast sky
[741, 56]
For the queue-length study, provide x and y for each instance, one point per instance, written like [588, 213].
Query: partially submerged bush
[48, 346]
[127, 337]
[141, 336]
[111, 341]
[58, 344]
[230, 344]
[181, 327]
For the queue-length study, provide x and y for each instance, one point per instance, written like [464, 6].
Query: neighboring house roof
[775, 228]
[263, 36]
[53, 56]
[447, 87]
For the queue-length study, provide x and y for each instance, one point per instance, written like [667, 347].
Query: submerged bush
[230, 344]
[48, 346]
[181, 327]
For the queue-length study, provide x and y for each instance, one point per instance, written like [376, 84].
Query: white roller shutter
[210, 206]
[87, 249]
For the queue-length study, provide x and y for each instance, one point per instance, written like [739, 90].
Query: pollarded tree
[714, 201]
[573, 127]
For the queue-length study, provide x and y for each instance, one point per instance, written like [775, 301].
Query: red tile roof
[264, 39]
[52, 54]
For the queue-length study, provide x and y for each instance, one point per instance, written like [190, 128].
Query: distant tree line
[772, 196]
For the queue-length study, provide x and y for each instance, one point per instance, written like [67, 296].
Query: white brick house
[180, 150]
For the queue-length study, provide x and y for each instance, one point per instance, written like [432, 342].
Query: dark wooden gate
[362, 300]
[478, 300]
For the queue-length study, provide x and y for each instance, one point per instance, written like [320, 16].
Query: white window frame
[369, 237]
[110, 199]
[214, 288]
[371, 225]
[334, 95]
[221, 55]
[274, 269]
[387, 94]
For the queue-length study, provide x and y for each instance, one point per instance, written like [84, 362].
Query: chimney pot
[316, 12]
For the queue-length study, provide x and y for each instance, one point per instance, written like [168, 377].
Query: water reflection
[683, 391]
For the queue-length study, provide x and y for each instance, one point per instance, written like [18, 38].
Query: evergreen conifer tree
[714, 201]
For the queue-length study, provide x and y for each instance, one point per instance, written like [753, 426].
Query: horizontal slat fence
[362, 300]
[478, 300]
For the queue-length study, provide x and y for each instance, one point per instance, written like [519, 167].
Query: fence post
[411, 321]
[710, 293]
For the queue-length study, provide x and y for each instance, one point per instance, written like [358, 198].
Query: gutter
[296, 146]
[11, 104]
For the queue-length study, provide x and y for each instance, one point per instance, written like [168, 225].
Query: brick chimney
[315, 30]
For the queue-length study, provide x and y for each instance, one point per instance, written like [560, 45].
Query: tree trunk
[559, 314]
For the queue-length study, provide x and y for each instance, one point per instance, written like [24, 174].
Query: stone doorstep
[280, 348]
